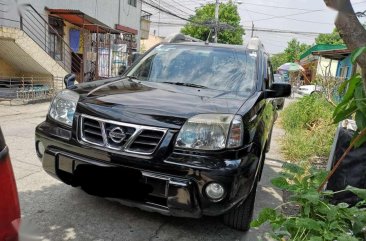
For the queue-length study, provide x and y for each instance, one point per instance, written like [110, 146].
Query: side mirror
[122, 69]
[278, 90]
[69, 80]
[135, 56]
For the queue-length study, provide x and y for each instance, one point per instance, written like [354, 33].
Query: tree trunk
[350, 29]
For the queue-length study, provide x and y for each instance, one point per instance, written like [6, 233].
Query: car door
[9, 202]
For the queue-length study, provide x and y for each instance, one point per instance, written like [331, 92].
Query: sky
[301, 15]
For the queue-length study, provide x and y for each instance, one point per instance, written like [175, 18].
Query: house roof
[337, 54]
[323, 47]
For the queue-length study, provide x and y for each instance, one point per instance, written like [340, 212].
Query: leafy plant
[202, 22]
[354, 101]
[309, 129]
[329, 38]
[291, 54]
[317, 219]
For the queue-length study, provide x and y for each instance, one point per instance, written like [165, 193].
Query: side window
[269, 75]
[265, 75]
[132, 2]
[143, 71]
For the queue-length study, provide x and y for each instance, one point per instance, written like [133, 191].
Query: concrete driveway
[60, 212]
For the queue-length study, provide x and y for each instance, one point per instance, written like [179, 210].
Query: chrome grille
[120, 136]
[146, 141]
[92, 131]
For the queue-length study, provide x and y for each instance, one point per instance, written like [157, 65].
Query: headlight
[211, 132]
[63, 107]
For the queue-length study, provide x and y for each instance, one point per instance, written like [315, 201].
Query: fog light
[215, 191]
[40, 149]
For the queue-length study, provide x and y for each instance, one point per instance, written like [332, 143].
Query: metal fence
[28, 89]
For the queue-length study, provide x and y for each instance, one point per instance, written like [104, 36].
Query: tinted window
[216, 68]
[278, 78]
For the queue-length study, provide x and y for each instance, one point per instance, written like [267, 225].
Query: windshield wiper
[186, 84]
[131, 77]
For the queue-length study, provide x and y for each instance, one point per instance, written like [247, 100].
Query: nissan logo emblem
[117, 135]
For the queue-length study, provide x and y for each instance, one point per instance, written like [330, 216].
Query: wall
[109, 12]
[150, 42]
[6, 69]
[343, 63]
[324, 64]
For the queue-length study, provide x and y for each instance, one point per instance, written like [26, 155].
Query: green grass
[309, 129]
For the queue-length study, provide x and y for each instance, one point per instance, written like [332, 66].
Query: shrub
[317, 218]
[309, 129]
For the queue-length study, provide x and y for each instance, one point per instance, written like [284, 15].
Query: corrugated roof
[322, 47]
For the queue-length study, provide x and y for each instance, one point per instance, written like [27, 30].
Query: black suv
[184, 132]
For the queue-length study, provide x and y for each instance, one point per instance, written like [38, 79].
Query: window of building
[56, 32]
[344, 72]
[132, 2]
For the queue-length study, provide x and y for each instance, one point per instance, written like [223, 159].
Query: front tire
[240, 217]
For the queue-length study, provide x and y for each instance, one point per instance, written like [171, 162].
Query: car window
[216, 68]
[270, 76]
[278, 78]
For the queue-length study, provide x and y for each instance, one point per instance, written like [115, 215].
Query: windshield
[278, 78]
[198, 66]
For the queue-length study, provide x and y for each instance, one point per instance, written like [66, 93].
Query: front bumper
[177, 186]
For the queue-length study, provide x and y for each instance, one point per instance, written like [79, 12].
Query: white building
[51, 38]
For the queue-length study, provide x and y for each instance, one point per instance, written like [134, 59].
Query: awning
[125, 29]
[337, 54]
[322, 47]
[82, 20]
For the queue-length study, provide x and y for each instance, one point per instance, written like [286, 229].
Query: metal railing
[29, 88]
[48, 38]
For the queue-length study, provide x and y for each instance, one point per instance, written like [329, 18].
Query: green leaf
[361, 193]
[360, 142]
[360, 120]
[342, 87]
[347, 237]
[353, 82]
[355, 54]
[309, 223]
[307, 210]
[280, 182]
[312, 196]
[315, 238]
[293, 168]
[266, 214]
[360, 98]
[345, 112]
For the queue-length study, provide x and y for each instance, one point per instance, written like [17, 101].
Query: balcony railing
[29, 20]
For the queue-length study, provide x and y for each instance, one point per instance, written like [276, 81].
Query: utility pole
[252, 29]
[159, 21]
[217, 5]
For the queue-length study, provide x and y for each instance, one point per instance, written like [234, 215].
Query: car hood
[154, 104]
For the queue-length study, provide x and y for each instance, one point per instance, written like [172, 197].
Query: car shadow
[60, 212]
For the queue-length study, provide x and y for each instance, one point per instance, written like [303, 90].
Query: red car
[9, 202]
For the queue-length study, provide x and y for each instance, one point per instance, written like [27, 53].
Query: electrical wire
[290, 8]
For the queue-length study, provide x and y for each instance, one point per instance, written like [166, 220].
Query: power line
[154, 5]
[287, 17]
[270, 6]
[258, 29]
[168, 5]
[185, 7]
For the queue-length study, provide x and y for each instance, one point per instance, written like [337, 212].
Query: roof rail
[178, 37]
[255, 44]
